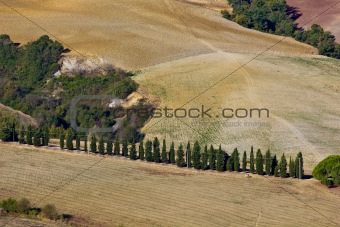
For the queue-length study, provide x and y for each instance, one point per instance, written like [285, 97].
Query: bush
[49, 211]
[23, 206]
[328, 168]
[9, 205]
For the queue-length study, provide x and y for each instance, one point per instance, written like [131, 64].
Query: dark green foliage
[141, 150]
[22, 135]
[244, 161]
[274, 164]
[117, 147]
[259, 162]
[252, 161]
[93, 144]
[188, 155]
[101, 145]
[204, 158]
[148, 151]
[37, 138]
[9, 205]
[109, 146]
[49, 211]
[299, 166]
[172, 153]
[7, 132]
[62, 138]
[22, 206]
[156, 150]
[328, 170]
[229, 167]
[69, 139]
[45, 136]
[291, 167]
[27, 83]
[77, 142]
[196, 155]
[133, 151]
[220, 160]
[276, 171]
[29, 135]
[180, 156]
[272, 16]
[212, 158]
[125, 149]
[283, 166]
[268, 161]
[164, 153]
[236, 157]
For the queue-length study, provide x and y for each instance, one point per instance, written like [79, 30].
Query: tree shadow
[293, 12]
[306, 177]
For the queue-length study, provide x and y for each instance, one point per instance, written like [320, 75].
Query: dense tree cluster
[28, 84]
[274, 16]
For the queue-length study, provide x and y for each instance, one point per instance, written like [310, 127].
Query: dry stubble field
[114, 191]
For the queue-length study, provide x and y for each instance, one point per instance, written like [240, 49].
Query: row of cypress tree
[197, 156]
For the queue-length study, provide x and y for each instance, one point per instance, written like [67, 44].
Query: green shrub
[9, 205]
[328, 168]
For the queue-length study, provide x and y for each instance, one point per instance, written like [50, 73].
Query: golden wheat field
[115, 191]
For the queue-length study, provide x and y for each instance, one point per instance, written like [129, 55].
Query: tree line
[192, 155]
[274, 16]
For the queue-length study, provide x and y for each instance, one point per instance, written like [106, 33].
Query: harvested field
[312, 8]
[114, 191]
[133, 34]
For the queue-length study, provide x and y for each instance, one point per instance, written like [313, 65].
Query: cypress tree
[101, 146]
[252, 162]
[133, 152]
[244, 161]
[156, 151]
[141, 150]
[109, 147]
[37, 138]
[85, 143]
[164, 154]
[291, 167]
[299, 168]
[62, 138]
[148, 151]
[77, 142]
[69, 142]
[125, 149]
[29, 135]
[180, 156]
[268, 162]
[196, 155]
[283, 166]
[212, 158]
[117, 146]
[220, 160]
[229, 167]
[276, 171]
[46, 136]
[236, 160]
[22, 135]
[204, 160]
[172, 153]
[259, 162]
[274, 164]
[93, 144]
[188, 155]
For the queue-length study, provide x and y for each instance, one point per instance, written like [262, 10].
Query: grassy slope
[119, 191]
